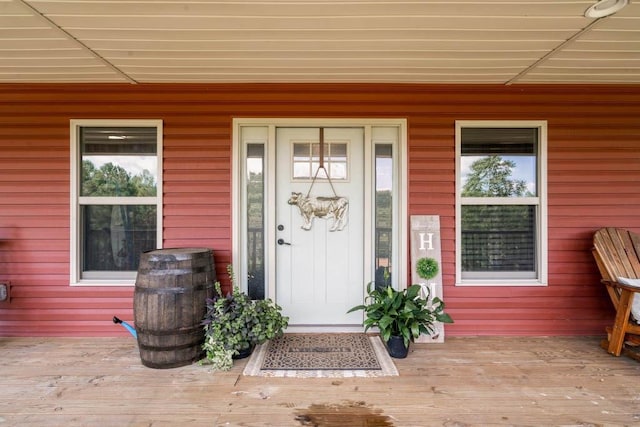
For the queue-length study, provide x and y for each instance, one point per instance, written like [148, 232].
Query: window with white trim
[501, 216]
[116, 198]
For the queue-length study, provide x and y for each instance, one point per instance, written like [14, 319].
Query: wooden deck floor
[464, 382]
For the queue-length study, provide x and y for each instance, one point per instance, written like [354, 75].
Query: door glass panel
[337, 159]
[384, 214]
[255, 221]
[306, 160]
[301, 161]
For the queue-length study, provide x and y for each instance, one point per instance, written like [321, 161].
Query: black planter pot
[396, 347]
[243, 353]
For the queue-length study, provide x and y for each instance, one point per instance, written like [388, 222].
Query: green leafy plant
[218, 357]
[427, 268]
[235, 323]
[401, 313]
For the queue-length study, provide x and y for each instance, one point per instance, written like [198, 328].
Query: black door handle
[282, 242]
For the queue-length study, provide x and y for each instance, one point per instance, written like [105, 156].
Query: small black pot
[396, 347]
[243, 353]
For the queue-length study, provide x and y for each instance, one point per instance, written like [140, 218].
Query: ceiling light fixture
[605, 8]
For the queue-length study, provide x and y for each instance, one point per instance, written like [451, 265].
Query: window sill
[107, 283]
[502, 283]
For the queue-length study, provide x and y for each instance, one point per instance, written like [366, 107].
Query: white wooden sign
[425, 243]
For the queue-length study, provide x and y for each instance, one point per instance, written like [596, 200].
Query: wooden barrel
[169, 303]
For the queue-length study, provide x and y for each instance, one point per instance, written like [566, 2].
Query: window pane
[301, 161]
[119, 161]
[338, 152]
[301, 152]
[384, 214]
[337, 160]
[498, 238]
[337, 170]
[499, 162]
[301, 170]
[315, 152]
[114, 236]
[255, 221]
[306, 160]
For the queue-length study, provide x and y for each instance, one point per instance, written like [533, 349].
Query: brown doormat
[321, 355]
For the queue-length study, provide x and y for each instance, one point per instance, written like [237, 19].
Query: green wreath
[427, 268]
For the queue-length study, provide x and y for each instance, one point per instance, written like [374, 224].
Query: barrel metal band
[164, 333]
[159, 271]
[173, 290]
[175, 347]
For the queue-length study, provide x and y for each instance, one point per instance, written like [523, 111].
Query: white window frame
[494, 279]
[107, 278]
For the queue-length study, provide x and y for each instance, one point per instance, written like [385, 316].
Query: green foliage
[114, 180]
[491, 177]
[218, 357]
[401, 313]
[427, 268]
[384, 203]
[235, 323]
[255, 200]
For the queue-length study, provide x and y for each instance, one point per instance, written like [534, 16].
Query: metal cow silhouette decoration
[321, 207]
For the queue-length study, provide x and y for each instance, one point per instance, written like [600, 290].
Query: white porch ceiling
[405, 41]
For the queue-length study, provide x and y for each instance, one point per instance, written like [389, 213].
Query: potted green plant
[401, 316]
[234, 324]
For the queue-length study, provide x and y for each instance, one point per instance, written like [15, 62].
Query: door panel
[319, 271]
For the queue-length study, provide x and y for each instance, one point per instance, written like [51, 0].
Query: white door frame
[238, 169]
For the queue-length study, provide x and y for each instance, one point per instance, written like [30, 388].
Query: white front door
[320, 258]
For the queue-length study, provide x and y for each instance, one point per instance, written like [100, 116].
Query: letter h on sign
[426, 244]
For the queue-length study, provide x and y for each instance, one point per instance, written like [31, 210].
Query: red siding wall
[593, 175]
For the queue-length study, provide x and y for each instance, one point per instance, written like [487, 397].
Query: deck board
[472, 381]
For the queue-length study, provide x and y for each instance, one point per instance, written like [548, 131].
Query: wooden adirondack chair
[617, 254]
